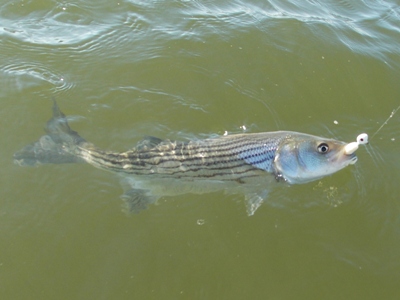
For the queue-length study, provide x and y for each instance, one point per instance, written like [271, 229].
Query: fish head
[301, 158]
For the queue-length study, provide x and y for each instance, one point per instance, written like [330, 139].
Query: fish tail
[59, 144]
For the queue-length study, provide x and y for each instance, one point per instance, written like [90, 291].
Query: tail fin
[58, 146]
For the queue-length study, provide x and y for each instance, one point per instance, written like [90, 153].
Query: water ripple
[22, 76]
[364, 27]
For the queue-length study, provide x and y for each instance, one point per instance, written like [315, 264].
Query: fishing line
[376, 157]
[363, 138]
[387, 120]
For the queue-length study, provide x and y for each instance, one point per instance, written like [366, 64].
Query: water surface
[184, 69]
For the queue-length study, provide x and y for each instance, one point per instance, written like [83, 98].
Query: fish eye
[323, 148]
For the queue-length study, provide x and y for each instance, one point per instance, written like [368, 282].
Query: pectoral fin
[254, 201]
[136, 200]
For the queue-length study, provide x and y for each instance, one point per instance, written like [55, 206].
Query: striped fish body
[245, 163]
[227, 158]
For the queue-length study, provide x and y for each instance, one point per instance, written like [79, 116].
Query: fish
[246, 163]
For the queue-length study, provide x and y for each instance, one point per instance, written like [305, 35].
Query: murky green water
[177, 69]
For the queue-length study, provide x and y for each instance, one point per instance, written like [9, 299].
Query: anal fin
[136, 200]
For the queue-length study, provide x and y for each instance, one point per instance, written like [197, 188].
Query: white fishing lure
[350, 148]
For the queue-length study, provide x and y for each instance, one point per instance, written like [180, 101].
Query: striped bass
[237, 163]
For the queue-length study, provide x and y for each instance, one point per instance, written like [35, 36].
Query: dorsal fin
[148, 142]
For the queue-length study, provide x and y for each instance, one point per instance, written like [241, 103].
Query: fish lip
[352, 159]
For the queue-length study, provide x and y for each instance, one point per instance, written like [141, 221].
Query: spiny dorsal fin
[148, 142]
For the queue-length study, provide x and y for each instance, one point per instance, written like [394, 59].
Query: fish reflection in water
[239, 163]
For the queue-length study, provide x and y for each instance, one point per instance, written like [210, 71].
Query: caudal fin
[58, 146]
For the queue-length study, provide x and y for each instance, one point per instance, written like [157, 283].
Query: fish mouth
[353, 159]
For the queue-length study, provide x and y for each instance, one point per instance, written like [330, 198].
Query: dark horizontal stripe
[119, 164]
[237, 162]
[215, 145]
[208, 176]
[157, 159]
[227, 159]
[206, 149]
[185, 173]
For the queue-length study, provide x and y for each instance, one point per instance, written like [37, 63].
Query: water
[180, 69]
